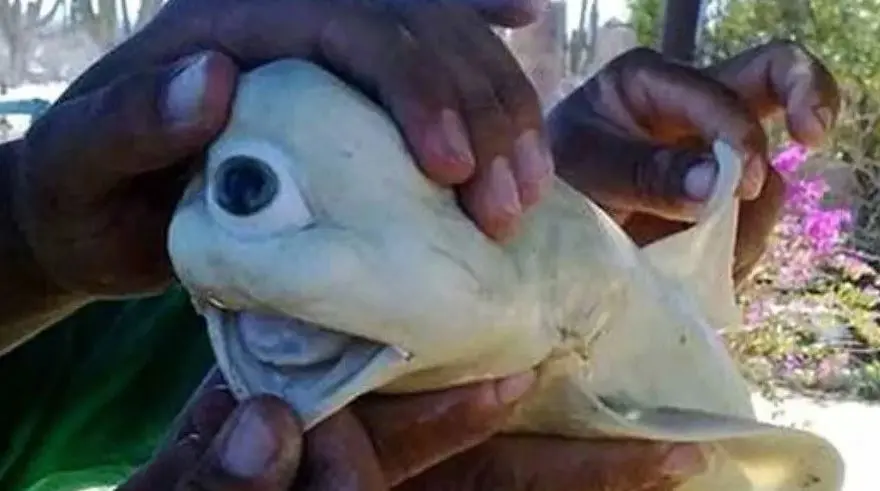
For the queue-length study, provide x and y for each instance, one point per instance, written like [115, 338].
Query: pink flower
[790, 160]
[810, 234]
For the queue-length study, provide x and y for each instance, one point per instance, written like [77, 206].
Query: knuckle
[801, 59]
[802, 62]
[521, 99]
[789, 47]
[637, 58]
[417, 83]
[478, 96]
[634, 68]
[659, 180]
[422, 66]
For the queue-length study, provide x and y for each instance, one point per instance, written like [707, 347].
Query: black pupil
[245, 185]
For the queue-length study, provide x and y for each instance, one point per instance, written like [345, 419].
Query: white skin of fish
[395, 290]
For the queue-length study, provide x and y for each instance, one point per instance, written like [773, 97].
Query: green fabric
[88, 400]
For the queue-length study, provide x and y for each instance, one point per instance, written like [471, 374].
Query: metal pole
[681, 20]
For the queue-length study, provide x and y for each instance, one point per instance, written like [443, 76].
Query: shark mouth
[315, 369]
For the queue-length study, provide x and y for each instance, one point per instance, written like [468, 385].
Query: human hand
[530, 463]
[635, 138]
[258, 445]
[438, 440]
[556, 464]
[100, 173]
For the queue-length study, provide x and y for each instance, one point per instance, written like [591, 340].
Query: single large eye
[251, 189]
[245, 185]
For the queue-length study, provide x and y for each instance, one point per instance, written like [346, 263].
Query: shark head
[311, 213]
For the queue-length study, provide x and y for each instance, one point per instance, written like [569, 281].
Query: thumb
[259, 447]
[414, 432]
[139, 123]
[637, 137]
[627, 176]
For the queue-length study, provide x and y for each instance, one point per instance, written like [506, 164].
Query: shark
[327, 266]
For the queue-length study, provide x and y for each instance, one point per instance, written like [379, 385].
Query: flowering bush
[810, 322]
[810, 235]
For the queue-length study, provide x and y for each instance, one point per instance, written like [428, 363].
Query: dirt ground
[853, 427]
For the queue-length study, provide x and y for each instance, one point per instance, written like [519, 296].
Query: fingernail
[448, 141]
[503, 192]
[456, 136]
[699, 181]
[533, 165]
[186, 91]
[684, 461]
[511, 389]
[825, 116]
[248, 448]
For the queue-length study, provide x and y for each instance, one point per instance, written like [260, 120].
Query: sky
[608, 9]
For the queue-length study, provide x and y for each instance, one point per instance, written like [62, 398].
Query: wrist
[29, 299]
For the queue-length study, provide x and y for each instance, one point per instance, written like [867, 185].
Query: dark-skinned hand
[433, 441]
[636, 137]
[99, 174]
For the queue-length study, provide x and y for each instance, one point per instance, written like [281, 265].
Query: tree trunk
[20, 24]
[680, 27]
[100, 24]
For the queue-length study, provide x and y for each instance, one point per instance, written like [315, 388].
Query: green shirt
[86, 401]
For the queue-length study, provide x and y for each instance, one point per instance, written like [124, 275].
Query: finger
[531, 161]
[142, 123]
[340, 457]
[628, 177]
[508, 13]
[412, 433]
[365, 48]
[674, 105]
[492, 196]
[520, 463]
[359, 44]
[259, 447]
[784, 75]
[128, 144]
[756, 222]
[669, 106]
[166, 469]
[206, 415]
[384, 60]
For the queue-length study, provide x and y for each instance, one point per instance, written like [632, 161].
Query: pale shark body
[311, 208]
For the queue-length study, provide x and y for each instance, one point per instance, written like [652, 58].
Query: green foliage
[646, 18]
[824, 338]
[823, 335]
[843, 34]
